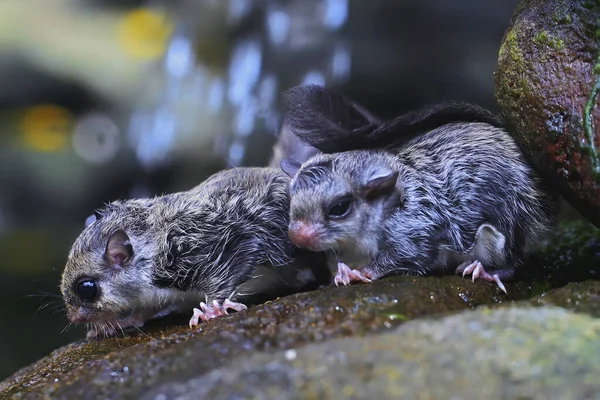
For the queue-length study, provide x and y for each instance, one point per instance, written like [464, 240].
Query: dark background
[101, 100]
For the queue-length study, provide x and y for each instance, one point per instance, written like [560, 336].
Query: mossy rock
[168, 351]
[546, 85]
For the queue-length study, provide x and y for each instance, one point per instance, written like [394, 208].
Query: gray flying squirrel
[458, 195]
[217, 244]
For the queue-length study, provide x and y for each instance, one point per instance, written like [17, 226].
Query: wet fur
[203, 244]
[452, 180]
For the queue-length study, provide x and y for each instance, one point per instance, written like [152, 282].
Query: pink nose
[302, 234]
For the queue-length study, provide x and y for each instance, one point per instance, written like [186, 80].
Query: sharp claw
[341, 275]
[196, 315]
[477, 270]
[203, 306]
[233, 305]
[499, 283]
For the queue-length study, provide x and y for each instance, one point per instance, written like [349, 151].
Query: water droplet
[291, 354]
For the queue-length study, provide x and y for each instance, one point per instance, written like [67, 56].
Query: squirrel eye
[87, 290]
[340, 209]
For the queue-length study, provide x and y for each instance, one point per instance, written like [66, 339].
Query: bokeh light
[46, 127]
[144, 33]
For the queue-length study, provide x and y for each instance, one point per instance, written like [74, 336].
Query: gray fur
[464, 190]
[199, 245]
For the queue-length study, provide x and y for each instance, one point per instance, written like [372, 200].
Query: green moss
[588, 121]
[545, 39]
[572, 236]
[511, 46]
[572, 250]
[562, 18]
[512, 83]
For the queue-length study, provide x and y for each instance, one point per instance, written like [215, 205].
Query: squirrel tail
[332, 123]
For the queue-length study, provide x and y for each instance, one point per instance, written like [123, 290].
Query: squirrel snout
[302, 234]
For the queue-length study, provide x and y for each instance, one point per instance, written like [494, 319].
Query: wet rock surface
[546, 84]
[512, 353]
[580, 297]
[131, 366]
[273, 349]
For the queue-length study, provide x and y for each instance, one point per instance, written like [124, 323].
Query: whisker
[138, 329]
[58, 311]
[113, 329]
[120, 327]
[66, 328]
[40, 308]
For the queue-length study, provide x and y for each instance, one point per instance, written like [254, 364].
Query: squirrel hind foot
[477, 271]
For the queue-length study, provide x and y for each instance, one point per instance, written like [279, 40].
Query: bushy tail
[324, 118]
[332, 123]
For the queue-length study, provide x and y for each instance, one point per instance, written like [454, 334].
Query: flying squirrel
[441, 187]
[216, 245]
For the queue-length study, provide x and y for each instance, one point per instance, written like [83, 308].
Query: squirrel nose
[302, 234]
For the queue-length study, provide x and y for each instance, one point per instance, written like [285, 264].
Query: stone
[511, 353]
[546, 85]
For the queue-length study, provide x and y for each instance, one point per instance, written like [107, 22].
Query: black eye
[87, 290]
[340, 209]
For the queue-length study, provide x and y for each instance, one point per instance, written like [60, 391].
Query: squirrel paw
[346, 276]
[214, 310]
[477, 270]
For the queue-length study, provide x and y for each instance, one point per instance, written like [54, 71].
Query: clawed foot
[478, 271]
[214, 310]
[346, 276]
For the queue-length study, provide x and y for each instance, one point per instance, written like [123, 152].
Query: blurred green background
[101, 100]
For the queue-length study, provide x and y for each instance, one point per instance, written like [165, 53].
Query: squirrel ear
[290, 167]
[118, 249]
[380, 183]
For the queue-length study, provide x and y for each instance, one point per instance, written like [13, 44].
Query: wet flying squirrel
[215, 244]
[459, 195]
